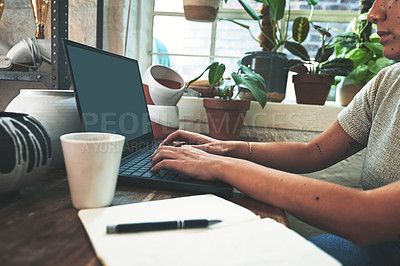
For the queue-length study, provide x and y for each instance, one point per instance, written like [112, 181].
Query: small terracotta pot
[201, 10]
[312, 88]
[225, 118]
[149, 101]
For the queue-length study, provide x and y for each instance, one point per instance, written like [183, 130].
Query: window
[188, 47]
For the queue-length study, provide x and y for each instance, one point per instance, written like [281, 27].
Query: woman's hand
[201, 142]
[188, 160]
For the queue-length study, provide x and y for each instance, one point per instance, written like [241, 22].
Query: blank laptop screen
[109, 92]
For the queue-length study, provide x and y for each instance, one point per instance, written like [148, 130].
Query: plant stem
[266, 37]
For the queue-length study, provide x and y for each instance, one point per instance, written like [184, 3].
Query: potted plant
[225, 114]
[270, 62]
[201, 10]
[316, 76]
[364, 49]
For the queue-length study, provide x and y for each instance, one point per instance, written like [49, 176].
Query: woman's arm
[330, 147]
[363, 217]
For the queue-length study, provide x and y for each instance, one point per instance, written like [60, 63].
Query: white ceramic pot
[346, 90]
[164, 120]
[55, 109]
[165, 85]
[164, 115]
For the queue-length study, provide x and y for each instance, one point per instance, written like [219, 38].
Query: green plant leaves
[337, 67]
[253, 85]
[250, 11]
[297, 49]
[215, 73]
[249, 80]
[359, 56]
[375, 47]
[312, 2]
[347, 39]
[301, 27]
[321, 30]
[380, 63]
[324, 54]
[237, 23]
[276, 8]
[253, 74]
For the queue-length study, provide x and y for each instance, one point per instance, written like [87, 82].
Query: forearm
[323, 151]
[288, 156]
[350, 213]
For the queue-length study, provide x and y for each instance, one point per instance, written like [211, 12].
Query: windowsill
[290, 116]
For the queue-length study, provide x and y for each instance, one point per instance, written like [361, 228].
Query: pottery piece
[25, 150]
[55, 109]
[30, 52]
[312, 88]
[20, 54]
[346, 90]
[165, 85]
[201, 10]
[225, 118]
[164, 120]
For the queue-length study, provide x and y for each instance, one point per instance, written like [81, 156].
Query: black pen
[156, 226]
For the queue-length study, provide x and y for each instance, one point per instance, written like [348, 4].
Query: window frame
[318, 15]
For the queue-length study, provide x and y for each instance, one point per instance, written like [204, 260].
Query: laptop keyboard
[141, 165]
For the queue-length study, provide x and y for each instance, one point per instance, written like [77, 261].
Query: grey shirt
[373, 119]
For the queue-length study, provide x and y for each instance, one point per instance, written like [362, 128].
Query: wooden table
[39, 225]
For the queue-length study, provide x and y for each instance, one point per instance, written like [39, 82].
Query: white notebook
[241, 239]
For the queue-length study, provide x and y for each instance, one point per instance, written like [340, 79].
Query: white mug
[92, 162]
[165, 85]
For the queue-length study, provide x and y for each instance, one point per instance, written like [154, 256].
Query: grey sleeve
[356, 118]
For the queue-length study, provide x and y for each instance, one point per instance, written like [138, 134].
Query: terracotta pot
[201, 10]
[312, 88]
[225, 118]
[25, 150]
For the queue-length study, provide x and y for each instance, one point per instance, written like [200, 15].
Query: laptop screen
[109, 92]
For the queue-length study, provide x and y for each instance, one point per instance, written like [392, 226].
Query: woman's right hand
[199, 141]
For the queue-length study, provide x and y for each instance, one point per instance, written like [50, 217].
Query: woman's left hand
[187, 160]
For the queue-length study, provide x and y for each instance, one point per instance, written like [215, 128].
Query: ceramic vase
[25, 150]
[55, 109]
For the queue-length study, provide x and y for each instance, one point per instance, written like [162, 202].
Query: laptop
[109, 96]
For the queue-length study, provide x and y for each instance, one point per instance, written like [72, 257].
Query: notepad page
[241, 239]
